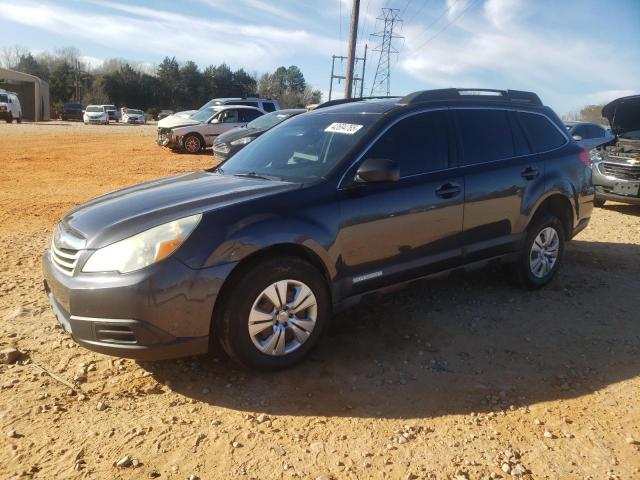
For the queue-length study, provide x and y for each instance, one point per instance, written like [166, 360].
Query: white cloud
[159, 33]
[605, 96]
[495, 45]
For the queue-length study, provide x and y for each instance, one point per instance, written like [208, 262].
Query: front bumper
[160, 312]
[610, 186]
[98, 120]
[167, 139]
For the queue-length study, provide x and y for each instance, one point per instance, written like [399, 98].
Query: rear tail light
[585, 158]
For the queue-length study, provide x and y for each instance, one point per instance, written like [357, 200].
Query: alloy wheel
[544, 252]
[283, 317]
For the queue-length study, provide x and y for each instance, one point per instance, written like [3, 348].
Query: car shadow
[454, 345]
[623, 208]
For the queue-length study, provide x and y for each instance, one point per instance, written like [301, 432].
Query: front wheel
[542, 252]
[192, 143]
[274, 314]
[10, 118]
[598, 202]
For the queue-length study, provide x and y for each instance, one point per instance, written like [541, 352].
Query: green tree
[295, 80]
[28, 64]
[62, 83]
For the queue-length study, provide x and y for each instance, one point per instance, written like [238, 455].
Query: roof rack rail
[340, 101]
[481, 94]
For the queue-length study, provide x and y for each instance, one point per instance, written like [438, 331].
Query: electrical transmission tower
[382, 81]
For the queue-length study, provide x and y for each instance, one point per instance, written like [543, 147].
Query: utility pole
[353, 38]
[382, 80]
[339, 77]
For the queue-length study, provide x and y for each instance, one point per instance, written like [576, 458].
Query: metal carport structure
[32, 91]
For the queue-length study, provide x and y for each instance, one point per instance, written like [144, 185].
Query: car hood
[623, 114]
[123, 213]
[239, 132]
[175, 121]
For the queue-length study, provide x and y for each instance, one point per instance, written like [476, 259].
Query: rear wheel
[274, 314]
[192, 143]
[598, 202]
[20, 119]
[542, 252]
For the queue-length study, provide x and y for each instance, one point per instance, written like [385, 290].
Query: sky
[572, 53]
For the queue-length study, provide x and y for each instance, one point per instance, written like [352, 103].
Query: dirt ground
[463, 378]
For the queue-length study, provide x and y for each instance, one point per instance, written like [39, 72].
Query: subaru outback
[343, 202]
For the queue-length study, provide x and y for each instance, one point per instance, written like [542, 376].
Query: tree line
[169, 85]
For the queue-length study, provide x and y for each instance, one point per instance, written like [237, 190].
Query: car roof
[477, 97]
[230, 106]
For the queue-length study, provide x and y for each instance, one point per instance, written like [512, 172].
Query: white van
[10, 108]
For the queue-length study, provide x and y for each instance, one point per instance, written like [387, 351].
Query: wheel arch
[560, 205]
[294, 250]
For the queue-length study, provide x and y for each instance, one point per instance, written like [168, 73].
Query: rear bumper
[160, 312]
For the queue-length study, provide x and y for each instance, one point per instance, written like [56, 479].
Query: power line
[451, 22]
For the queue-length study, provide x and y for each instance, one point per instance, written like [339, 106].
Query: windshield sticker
[346, 128]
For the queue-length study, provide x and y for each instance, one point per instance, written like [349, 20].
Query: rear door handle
[529, 173]
[448, 190]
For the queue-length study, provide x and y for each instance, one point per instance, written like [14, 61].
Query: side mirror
[375, 170]
[577, 138]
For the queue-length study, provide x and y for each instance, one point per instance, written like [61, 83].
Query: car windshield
[109, 107]
[204, 114]
[3, 98]
[631, 135]
[94, 109]
[304, 148]
[72, 106]
[134, 112]
[269, 120]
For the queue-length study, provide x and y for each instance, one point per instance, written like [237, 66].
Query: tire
[530, 273]
[10, 118]
[20, 119]
[288, 335]
[192, 143]
[598, 202]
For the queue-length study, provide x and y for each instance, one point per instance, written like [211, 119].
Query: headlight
[243, 141]
[143, 249]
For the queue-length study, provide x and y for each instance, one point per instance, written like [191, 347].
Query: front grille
[619, 170]
[64, 259]
[220, 147]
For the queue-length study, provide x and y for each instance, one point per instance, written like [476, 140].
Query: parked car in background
[72, 111]
[266, 104]
[95, 114]
[132, 115]
[10, 108]
[314, 215]
[228, 143]
[163, 114]
[112, 111]
[616, 168]
[589, 135]
[198, 131]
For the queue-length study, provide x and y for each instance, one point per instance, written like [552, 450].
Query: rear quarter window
[485, 135]
[543, 134]
[268, 107]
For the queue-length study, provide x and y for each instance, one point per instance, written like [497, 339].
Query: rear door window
[543, 134]
[268, 107]
[248, 114]
[595, 131]
[485, 135]
[418, 143]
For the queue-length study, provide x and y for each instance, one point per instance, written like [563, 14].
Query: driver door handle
[448, 190]
[529, 173]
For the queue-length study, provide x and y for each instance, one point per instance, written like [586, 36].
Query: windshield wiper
[253, 175]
